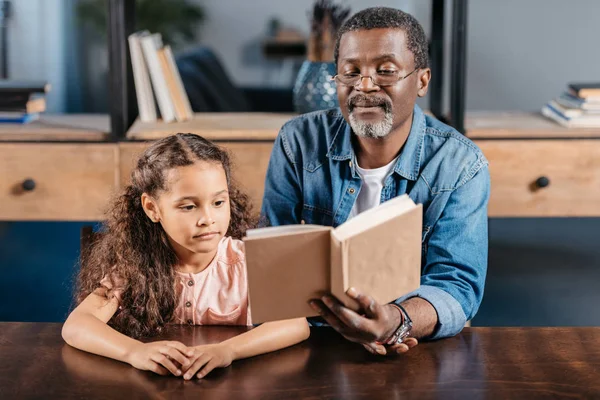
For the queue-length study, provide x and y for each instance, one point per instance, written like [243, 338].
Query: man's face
[374, 111]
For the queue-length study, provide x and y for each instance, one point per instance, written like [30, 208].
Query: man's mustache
[368, 101]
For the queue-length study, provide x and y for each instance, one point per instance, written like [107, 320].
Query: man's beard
[375, 130]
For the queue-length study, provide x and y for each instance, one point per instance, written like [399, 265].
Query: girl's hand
[206, 358]
[162, 357]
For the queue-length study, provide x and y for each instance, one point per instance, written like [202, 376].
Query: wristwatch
[403, 331]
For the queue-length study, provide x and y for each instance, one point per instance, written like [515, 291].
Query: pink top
[218, 295]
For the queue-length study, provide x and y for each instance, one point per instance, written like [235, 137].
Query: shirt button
[351, 190]
[188, 303]
[189, 321]
[190, 283]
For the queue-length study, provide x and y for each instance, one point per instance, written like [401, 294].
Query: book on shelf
[141, 79]
[13, 87]
[585, 90]
[377, 252]
[570, 120]
[27, 104]
[573, 102]
[156, 77]
[17, 117]
[183, 108]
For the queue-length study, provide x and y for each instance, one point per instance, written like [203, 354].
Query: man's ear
[423, 82]
[150, 207]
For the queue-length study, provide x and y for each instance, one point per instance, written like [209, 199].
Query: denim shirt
[312, 177]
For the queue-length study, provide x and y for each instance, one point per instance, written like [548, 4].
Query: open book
[378, 252]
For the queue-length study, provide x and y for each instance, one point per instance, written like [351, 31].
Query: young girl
[170, 253]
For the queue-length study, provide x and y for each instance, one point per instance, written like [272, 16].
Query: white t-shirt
[369, 195]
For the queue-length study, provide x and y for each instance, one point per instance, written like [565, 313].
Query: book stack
[22, 101]
[578, 107]
[156, 76]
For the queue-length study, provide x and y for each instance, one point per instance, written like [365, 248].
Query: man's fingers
[328, 316]
[411, 342]
[163, 360]
[199, 363]
[368, 304]
[354, 322]
[369, 349]
[212, 364]
[375, 348]
[399, 348]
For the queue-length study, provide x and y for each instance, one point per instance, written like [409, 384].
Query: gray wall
[521, 53]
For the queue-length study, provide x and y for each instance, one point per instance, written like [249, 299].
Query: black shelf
[122, 104]
[458, 62]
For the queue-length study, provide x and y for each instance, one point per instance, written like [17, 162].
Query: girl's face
[194, 211]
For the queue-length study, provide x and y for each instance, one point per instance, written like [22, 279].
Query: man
[330, 165]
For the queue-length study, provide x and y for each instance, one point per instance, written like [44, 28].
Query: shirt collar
[409, 162]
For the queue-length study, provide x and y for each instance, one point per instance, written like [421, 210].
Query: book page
[374, 217]
[283, 230]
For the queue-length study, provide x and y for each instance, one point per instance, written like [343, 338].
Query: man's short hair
[385, 17]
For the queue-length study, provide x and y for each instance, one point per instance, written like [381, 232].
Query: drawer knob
[542, 182]
[28, 185]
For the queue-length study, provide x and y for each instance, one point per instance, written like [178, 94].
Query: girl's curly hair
[133, 253]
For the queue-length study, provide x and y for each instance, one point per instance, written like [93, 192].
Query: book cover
[570, 101]
[17, 117]
[584, 121]
[150, 46]
[12, 87]
[178, 95]
[378, 252]
[141, 78]
[30, 105]
[585, 90]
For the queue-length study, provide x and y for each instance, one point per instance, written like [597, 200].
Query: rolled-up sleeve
[455, 267]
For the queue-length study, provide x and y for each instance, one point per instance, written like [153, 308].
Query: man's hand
[206, 358]
[373, 323]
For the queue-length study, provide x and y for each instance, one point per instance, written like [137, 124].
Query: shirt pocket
[317, 216]
[224, 318]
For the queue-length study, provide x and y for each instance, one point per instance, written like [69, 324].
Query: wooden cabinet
[538, 169]
[64, 182]
[543, 178]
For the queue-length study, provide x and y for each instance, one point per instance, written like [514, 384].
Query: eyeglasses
[382, 78]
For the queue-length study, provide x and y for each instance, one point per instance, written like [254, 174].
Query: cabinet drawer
[70, 182]
[543, 178]
[249, 165]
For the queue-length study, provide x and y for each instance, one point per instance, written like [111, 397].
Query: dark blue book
[17, 118]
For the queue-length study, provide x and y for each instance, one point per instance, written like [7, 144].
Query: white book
[143, 88]
[590, 121]
[150, 45]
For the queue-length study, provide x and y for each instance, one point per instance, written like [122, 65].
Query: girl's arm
[265, 338]
[86, 329]
[268, 337]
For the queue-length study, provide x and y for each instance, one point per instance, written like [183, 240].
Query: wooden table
[491, 363]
